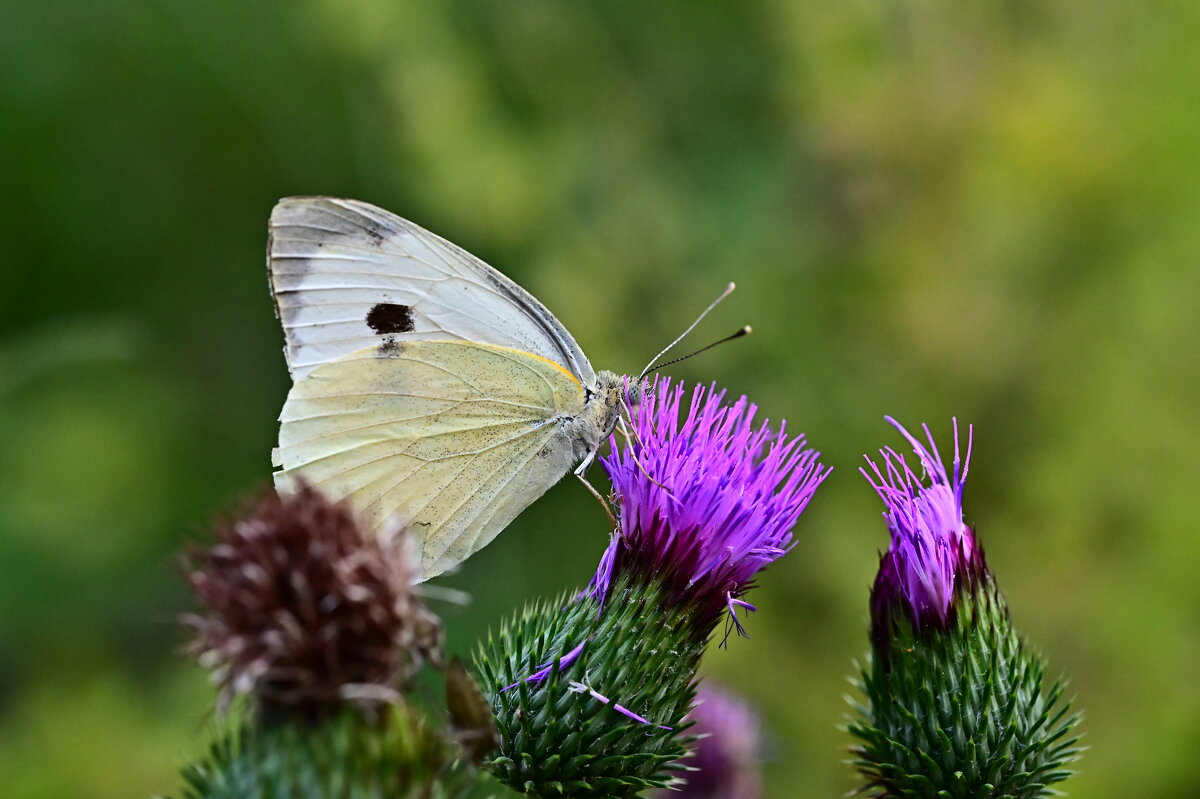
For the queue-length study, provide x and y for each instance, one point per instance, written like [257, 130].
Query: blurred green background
[932, 208]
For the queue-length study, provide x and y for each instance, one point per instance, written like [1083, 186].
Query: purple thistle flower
[706, 501]
[725, 762]
[932, 550]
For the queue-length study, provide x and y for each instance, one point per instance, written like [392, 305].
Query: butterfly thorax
[599, 416]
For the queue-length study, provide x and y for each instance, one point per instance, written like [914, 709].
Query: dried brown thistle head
[299, 610]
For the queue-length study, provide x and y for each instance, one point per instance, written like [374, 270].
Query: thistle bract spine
[393, 754]
[558, 738]
[962, 712]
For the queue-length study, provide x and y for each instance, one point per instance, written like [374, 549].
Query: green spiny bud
[347, 755]
[962, 712]
[591, 703]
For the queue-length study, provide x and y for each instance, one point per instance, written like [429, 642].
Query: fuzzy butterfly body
[429, 390]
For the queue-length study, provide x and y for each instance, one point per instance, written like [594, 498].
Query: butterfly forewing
[347, 275]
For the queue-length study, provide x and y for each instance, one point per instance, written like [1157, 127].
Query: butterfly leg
[599, 498]
[585, 464]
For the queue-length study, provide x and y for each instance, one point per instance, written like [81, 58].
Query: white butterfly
[428, 389]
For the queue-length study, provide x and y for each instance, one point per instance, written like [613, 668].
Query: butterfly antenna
[728, 290]
[744, 331]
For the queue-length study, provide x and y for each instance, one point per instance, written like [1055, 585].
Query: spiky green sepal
[961, 712]
[557, 738]
[347, 755]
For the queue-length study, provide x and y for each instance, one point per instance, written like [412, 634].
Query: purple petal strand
[597, 588]
[545, 669]
[624, 711]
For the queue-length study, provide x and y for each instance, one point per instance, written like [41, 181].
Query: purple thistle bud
[725, 762]
[705, 502]
[932, 551]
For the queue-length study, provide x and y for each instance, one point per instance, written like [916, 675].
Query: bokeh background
[987, 209]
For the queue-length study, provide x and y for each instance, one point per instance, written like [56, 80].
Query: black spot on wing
[387, 317]
[390, 348]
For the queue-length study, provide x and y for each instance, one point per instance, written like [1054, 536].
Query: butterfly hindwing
[451, 439]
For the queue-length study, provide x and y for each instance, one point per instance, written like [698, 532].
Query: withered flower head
[299, 609]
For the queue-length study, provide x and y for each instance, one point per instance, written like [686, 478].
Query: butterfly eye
[634, 393]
